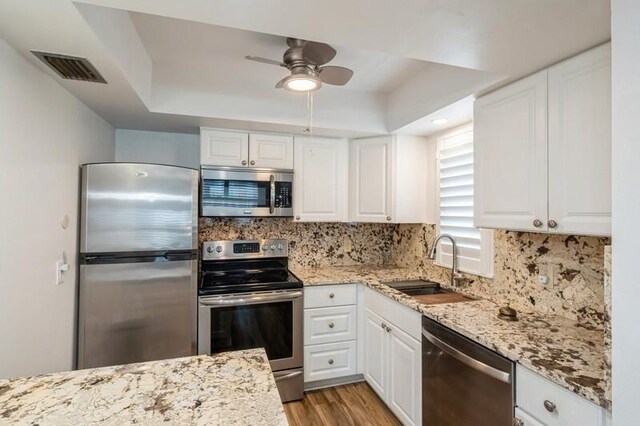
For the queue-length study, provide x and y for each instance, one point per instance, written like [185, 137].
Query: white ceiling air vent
[70, 67]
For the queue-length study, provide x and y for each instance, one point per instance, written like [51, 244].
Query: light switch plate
[61, 268]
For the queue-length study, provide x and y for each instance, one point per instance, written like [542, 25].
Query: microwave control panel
[283, 195]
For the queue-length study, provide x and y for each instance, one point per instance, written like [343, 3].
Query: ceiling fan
[305, 60]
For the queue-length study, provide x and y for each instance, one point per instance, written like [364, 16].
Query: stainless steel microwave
[245, 192]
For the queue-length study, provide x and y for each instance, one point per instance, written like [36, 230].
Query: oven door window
[235, 193]
[268, 325]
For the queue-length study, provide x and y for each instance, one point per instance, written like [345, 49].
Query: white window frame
[443, 255]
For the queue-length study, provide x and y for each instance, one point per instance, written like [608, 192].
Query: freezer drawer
[137, 311]
[130, 207]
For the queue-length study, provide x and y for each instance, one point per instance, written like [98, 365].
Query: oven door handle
[250, 299]
[272, 194]
[287, 376]
[466, 359]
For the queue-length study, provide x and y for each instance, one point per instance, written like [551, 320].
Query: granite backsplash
[310, 244]
[578, 263]
[577, 294]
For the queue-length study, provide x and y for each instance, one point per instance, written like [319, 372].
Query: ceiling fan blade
[338, 76]
[264, 60]
[318, 53]
[280, 84]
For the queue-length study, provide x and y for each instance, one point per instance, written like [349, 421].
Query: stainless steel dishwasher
[463, 383]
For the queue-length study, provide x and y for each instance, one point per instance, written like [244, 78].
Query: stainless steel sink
[417, 287]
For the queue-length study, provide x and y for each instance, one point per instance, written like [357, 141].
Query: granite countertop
[557, 348]
[233, 388]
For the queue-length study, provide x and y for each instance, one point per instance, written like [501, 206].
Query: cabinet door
[510, 156]
[375, 357]
[580, 143]
[320, 179]
[370, 179]
[219, 148]
[405, 377]
[271, 151]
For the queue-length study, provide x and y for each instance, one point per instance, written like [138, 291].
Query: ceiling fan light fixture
[302, 83]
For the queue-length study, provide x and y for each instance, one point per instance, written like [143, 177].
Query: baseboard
[319, 384]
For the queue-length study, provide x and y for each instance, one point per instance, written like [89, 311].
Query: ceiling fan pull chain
[310, 112]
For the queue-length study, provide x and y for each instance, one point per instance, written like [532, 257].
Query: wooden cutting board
[435, 299]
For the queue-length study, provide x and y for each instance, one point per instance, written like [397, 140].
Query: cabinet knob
[253, 163]
[552, 224]
[331, 325]
[537, 223]
[331, 295]
[388, 218]
[297, 217]
[549, 406]
[244, 162]
[330, 361]
[517, 422]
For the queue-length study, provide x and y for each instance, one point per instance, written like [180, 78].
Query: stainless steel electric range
[247, 298]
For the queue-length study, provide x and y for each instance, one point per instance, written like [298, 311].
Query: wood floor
[354, 404]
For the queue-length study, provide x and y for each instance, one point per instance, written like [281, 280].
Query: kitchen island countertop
[232, 388]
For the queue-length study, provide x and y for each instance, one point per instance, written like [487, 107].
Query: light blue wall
[177, 149]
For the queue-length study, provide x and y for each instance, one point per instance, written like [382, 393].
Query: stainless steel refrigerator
[138, 270]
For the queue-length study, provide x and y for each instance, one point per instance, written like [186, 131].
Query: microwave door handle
[466, 359]
[272, 194]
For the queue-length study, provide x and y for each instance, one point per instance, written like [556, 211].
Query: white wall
[178, 149]
[45, 134]
[625, 36]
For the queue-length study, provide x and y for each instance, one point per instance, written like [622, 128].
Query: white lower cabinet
[392, 358]
[541, 402]
[329, 361]
[330, 333]
[375, 348]
[524, 419]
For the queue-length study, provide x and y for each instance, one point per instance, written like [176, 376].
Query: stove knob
[219, 249]
[209, 249]
[265, 247]
[273, 247]
[280, 247]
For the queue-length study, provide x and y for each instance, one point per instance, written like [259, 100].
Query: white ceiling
[172, 66]
[456, 114]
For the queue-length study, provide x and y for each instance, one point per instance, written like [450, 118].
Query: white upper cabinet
[271, 151]
[320, 179]
[510, 156]
[370, 179]
[580, 143]
[237, 149]
[221, 148]
[388, 179]
[543, 150]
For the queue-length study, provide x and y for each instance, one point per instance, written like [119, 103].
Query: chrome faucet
[455, 274]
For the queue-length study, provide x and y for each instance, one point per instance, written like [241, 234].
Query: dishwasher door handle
[466, 359]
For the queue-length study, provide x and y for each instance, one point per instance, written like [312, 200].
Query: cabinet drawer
[329, 361]
[525, 419]
[532, 390]
[330, 295]
[328, 325]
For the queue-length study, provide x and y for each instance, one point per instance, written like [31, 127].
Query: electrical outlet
[545, 275]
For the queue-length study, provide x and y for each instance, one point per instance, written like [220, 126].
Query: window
[455, 169]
